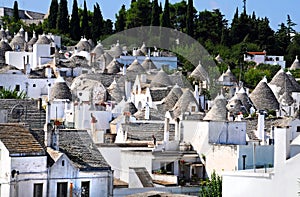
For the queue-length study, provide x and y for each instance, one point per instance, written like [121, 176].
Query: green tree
[16, 16]
[52, 18]
[282, 39]
[108, 27]
[85, 22]
[62, 23]
[178, 15]
[75, 22]
[155, 14]
[139, 14]
[97, 21]
[190, 18]
[120, 23]
[213, 187]
[165, 18]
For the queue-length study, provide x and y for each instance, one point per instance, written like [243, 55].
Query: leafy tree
[293, 50]
[85, 22]
[282, 39]
[178, 15]
[190, 18]
[62, 23]
[155, 14]
[108, 27]
[75, 22]
[11, 94]
[290, 26]
[139, 14]
[52, 18]
[16, 16]
[97, 21]
[120, 23]
[165, 18]
[213, 187]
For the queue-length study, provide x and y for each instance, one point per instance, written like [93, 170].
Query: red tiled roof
[257, 53]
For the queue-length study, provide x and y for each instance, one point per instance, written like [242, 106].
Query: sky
[275, 10]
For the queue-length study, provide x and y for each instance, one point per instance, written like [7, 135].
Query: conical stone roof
[244, 98]
[293, 81]
[4, 46]
[182, 105]
[200, 73]
[295, 65]
[228, 76]
[147, 64]
[113, 67]
[17, 42]
[218, 112]
[60, 90]
[33, 40]
[106, 58]
[43, 40]
[115, 92]
[172, 98]
[263, 97]
[161, 79]
[83, 45]
[116, 50]
[2, 33]
[286, 99]
[98, 50]
[135, 66]
[282, 83]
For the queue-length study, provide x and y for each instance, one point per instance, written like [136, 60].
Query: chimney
[127, 89]
[48, 129]
[27, 67]
[281, 146]
[124, 69]
[55, 139]
[177, 130]
[147, 112]
[166, 129]
[196, 93]
[260, 132]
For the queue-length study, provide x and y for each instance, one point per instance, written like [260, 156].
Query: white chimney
[196, 93]
[177, 130]
[124, 69]
[127, 89]
[260, 131]
[147, 112]
[281, 146]
[166, 130]
[27, 67]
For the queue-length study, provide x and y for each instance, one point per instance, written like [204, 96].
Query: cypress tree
[190, 19]
[62, 23]
[120, 19]
[52, 18]
[85, 22]
[97, 21]
[16, 16]
[75, 22]
[165, 19]
[155, 14]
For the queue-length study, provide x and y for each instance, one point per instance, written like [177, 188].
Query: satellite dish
[17, 112]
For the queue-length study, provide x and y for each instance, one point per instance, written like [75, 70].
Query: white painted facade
[282, 180]
[263, 58]
[31, 170]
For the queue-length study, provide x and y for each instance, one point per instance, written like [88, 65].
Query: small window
[193, 108]
[17, 88]
[85, 189]
[147, 99]
[62, 189]
[298, 129]
[1, 87]
[34, 85]
[38, 189]
[63, 162]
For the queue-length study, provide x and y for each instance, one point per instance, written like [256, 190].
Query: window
[62, 189]
[34, 85]
[193, 108]
[1, 87]
[85, 189]
[298, 129]
[63, 162]
[38, 189]
[17, 88]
